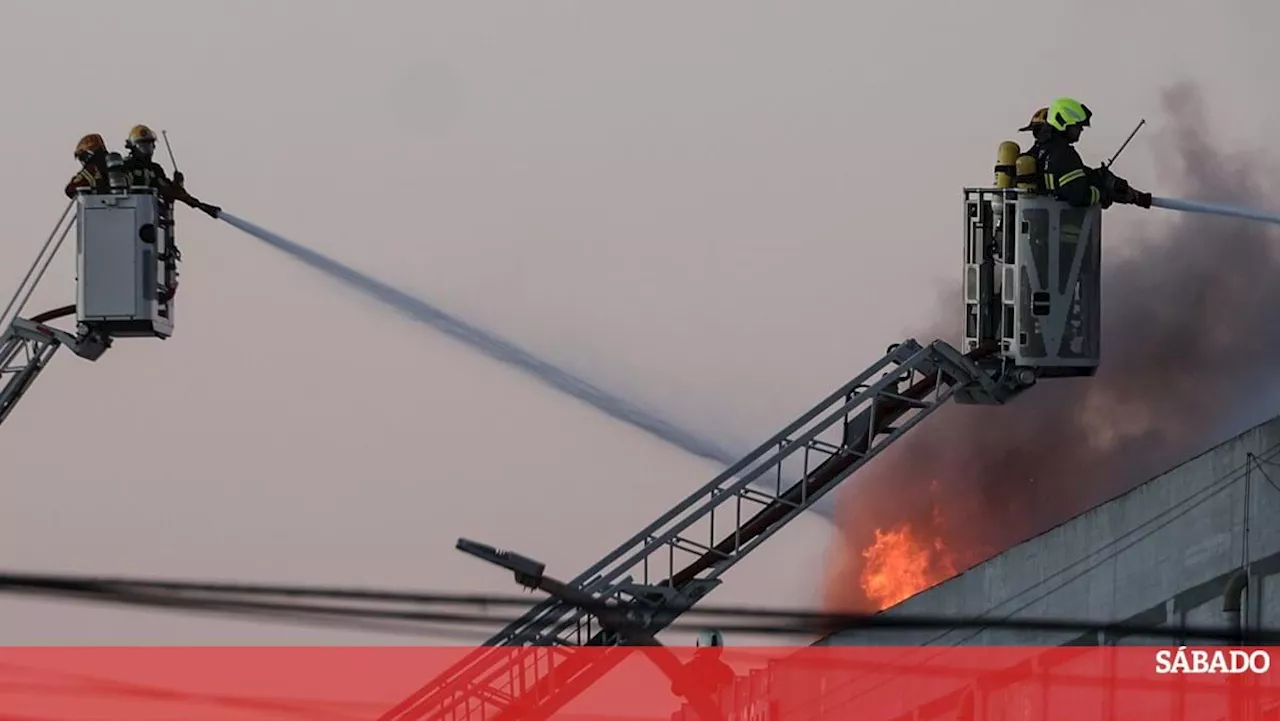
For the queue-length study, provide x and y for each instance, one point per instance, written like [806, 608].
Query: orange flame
[900, 564]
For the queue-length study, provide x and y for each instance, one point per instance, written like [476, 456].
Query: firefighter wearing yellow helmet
[91, 151]
[1027, 163]
[144, 171]
[1065, 174]
[1036, 125]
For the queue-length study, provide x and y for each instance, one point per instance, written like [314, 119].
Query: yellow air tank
[1006, 159]
[1027, 170]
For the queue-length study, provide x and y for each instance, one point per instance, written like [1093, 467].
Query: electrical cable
[117, 591]
[399, 623]
[774, 622]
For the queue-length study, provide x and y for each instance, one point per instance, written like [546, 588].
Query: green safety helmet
[1065, 112]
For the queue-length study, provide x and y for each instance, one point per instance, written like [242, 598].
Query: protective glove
[1142, 200]
[212, 210]
[1113, 186]
[170, 291]
[1106, 179]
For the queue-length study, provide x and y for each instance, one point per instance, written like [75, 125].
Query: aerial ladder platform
[126, 275]
[1032, 298]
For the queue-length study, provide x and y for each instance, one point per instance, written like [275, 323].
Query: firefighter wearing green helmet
[1066, 176]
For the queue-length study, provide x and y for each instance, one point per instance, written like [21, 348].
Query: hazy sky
[724, 209]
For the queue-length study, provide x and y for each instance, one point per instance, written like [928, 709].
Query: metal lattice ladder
[530, 668]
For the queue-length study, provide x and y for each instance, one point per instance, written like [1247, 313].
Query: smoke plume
[1190, 334]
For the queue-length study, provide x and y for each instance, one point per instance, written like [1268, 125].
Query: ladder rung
[913, 402]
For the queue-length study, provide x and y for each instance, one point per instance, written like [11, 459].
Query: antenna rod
[165, 134]
[1125, 144]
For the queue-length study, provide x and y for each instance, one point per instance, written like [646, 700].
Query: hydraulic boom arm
[27, 345]
[669, 566]
[26, 348]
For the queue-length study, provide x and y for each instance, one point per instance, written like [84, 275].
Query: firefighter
[91, 151]
[144, 171]
[1065, 174]
[1038, 128]
[706, 669]
[1036, 125]
[1039, 132]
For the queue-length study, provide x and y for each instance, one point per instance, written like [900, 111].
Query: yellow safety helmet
[140, 135]
[1038, 118]
[89, 145]
[1066, 112]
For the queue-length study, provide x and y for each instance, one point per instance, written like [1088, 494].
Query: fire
[901, 563]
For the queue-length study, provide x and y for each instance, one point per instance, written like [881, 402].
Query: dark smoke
[1191, 331]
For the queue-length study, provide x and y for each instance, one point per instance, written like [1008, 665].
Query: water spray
[1192, 206]
[491, 345]
[1229, 211]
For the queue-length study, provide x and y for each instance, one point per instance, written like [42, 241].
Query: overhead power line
[419, 613]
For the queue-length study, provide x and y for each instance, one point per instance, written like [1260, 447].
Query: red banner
[673, 684]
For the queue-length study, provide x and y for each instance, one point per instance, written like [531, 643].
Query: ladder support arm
[27, 346]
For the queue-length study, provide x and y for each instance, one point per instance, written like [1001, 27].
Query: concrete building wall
[1161, 553]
